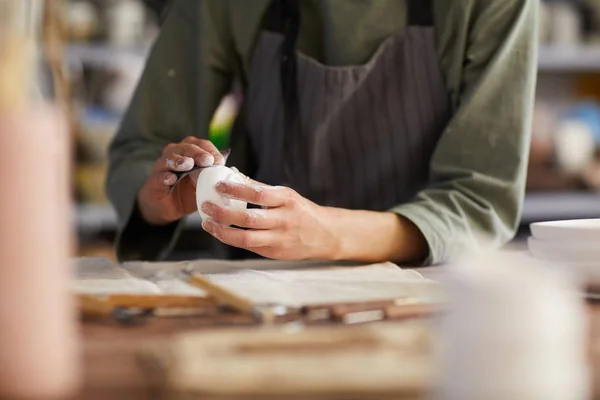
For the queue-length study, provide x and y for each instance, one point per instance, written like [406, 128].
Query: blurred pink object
[39, 355]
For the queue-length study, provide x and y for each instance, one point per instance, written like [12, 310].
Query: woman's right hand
[156, 205]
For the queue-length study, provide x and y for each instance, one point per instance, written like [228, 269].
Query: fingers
[180, 157]
[251, 218]
[162, 181]
[245, 239]
[176, 154]
[207, 146]
[167, 178]
[266, 196]
[175, 162]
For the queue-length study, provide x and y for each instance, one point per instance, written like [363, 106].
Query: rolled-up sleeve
[478, 170]
[184, 79]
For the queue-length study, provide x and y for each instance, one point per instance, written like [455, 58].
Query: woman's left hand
[287, 227]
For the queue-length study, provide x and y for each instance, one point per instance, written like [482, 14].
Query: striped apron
[356, 137]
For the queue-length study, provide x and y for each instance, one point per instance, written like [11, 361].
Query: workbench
[113, 371]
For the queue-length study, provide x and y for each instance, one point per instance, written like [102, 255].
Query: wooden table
[113, 372]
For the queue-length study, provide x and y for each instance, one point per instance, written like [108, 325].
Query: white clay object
[206, 191]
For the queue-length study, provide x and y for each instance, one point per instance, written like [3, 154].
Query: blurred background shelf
[569, 59]
[537, 207]
[560, 205]
[103, 54]
[102, 217]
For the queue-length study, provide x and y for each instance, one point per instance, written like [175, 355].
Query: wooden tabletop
[112, 369]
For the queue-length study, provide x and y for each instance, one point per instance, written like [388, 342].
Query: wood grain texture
[113, 370]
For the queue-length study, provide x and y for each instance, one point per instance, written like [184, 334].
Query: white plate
[568, 231]
[564, 251]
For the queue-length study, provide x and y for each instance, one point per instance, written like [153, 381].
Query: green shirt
[488, 54]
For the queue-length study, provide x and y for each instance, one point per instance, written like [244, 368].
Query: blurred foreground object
[356, 362]
[38, 339]
[514, 330]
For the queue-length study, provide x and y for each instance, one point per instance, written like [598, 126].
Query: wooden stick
[91, 306]
[412, 311]
[223, 295]
[152, 301]
[228, 297]
[184, 312]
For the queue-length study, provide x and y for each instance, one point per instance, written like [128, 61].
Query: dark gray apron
[357, 137]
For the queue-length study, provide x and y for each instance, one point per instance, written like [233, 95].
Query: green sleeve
[478, 171]
[186, 76]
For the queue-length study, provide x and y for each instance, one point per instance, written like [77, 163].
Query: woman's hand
[290, 227]
[156, 206]
[287, 227]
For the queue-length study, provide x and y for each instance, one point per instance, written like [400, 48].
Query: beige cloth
[261, 281]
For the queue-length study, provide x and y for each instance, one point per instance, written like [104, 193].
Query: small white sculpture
[206, 191]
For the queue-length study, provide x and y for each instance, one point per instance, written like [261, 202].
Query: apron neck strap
[420, 12]
[283, 16]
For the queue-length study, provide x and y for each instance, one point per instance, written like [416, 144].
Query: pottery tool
[361, 317]
[348, 315]
[318, 312]
[182, 174]
[229, 298]
[409, 311]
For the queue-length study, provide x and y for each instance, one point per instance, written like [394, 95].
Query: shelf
[569, 59]
[557, 206]
[551, 58]
[95, 218]
[104, 54]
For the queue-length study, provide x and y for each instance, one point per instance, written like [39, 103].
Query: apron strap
[420, 12]
[284, 17]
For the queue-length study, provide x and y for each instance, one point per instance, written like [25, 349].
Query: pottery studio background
[108, 42]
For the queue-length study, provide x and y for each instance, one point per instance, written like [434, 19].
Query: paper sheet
[262, 281]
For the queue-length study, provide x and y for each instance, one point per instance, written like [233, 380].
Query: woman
[374, 130]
